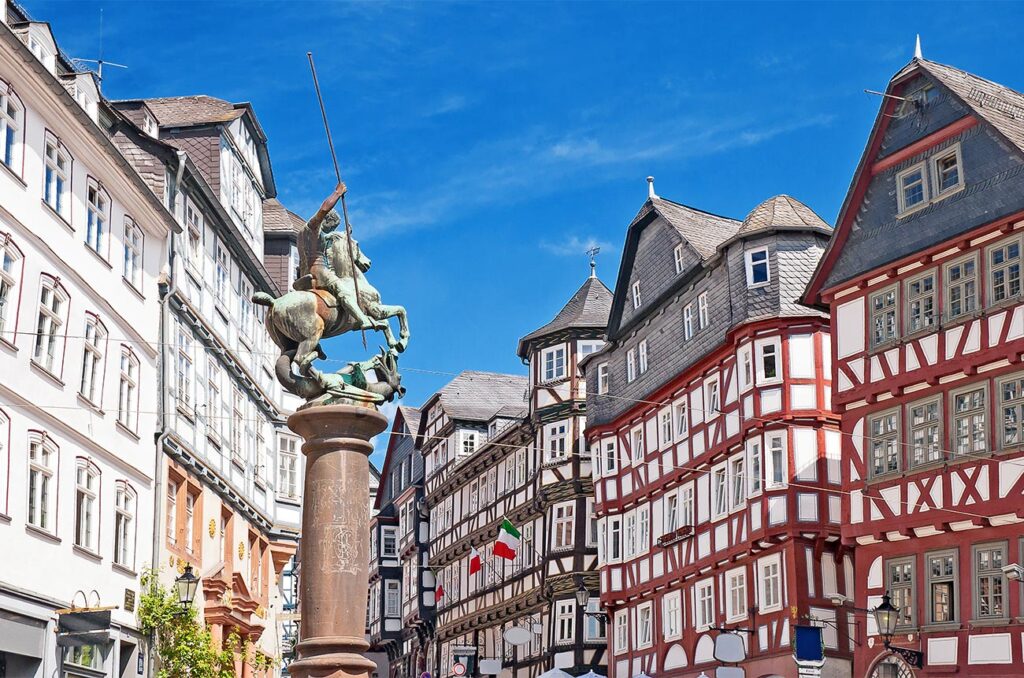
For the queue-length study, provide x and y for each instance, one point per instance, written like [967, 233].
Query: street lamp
[582, 595]
[186, 584]
[886, 618]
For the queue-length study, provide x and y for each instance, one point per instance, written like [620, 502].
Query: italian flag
[508, 541]
[474, 561]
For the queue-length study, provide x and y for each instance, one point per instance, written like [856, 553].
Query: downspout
[167, 287]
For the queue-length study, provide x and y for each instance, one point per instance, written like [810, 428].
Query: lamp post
[887, 617]
[187, 585]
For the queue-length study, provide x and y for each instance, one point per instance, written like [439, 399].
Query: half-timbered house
[715, 449]
[501, 447]
[923, 281]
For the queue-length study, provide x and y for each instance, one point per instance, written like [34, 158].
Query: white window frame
[672, 615]
[128, 390]
[681, 418]
[635, 289]
[637, 445]
[53, 303]
[755, 466]
[677, 255]
[719, 491]
[631, 366]
[12, 125]
[760, 373]
[902, 208]
[134, 242]
[392, 599]
[737, 482]
[666, 428]
[748, 258]
[389, 532]
[736, 592]
[97, 230]
[565, 621]
[595, 627]
[704, 604]
[94, 345]
[288, 467]
[770, 464]
[125, 503]
[87, 492]
[702, 310]
[557, 368]
[688, 322]
[557, 439]
[644, 625]
[602, 378]
[609, 455]
[712, 398]
[56, 177]
[938, 192]
[563, 526]
[42, 484]
[11, 261]
[687, 508]
[642, 352]
[621, 632]
[768, 600]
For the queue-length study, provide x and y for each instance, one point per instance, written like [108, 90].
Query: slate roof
[411, 416]
[703, 230]
[780, 212]
[589, 307]
[193, 110]
[279, 219]
[477, 396]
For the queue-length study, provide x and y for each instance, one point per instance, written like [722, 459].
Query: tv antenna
[100, 63]
[592, 252]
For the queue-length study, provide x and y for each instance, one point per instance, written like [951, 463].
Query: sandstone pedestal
[334, 549]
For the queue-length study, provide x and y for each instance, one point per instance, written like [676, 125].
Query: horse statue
[330, 298]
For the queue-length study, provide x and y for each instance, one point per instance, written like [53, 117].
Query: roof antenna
[592, 253]
[917, 48]
[99, 62]
[650, 188]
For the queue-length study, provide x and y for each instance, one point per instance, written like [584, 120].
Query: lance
[337, 173]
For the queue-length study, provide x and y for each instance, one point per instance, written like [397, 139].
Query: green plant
[184, 647]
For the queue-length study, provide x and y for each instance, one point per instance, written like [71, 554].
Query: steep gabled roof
[279, 219]
[405, 417]
[189, 111]
[997, 106]
[477, 396]
[588, 308]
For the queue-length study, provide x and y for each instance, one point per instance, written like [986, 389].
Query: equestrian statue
[332, 297]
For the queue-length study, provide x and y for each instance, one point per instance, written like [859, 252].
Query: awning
[22, 635]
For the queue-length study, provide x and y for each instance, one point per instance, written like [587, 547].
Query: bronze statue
[331, 297]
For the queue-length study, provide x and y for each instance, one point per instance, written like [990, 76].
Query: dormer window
[677, 254]
[149, 125]
[636, 294]
[917, 96]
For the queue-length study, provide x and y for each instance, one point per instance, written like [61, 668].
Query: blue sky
[485, 144]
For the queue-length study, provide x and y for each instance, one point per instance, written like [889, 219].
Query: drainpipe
[167, 287]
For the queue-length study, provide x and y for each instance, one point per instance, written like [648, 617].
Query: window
[558, 436]
[629, 536]
[42, 464]
[768, 362]
[222, 270]
[758, 274]
[565, 621]
[770, 582]
[921, 303]
[900, 584]
[688, 322]
[643, 529]
[128, 390]
[10, 265]
[602, 378]
[736, 594]
[720, 491]
[961, 288]
[245, 314]
[686, 505]
[883, 317]
[941, 573]
[631, 365]
[682, 420]
[564, 524]
[969, 422]
[468, 442]
[642, 349]
[389, 542]
[704, 607]
[554, 363]
[237, 423]
[738, 479]
[621, 631]
[702, 310]
[97, 219]
[55, 177]
[194, 226]
[711, 399]
[92, 360]
[884, 444]
[614, 539]
[611, 458]
[595, 626]
[51, 318]
[171, 510]
[754, 466]
[746, 367]
[677, 255]
[288, 467]
[86, 490]
[946, 172]
[911, 188]
[672, 615]
[392, 598]
[989, 581]
[643, 626]
[638, 445]
[124, 528]
[665, 423]
[925, 434]
[10, 127]
[132, 253]
[1004, 271]
[1011, 401]
[190, 517]
[636, 294]
[671, 512]
[183, 385]
[585, 348]
[775, 472]
[87, 656]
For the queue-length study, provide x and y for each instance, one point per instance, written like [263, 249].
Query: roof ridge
[694, 209]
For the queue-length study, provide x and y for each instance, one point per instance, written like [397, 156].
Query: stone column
[334, 547]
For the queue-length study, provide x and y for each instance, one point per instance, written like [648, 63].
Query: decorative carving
[241, 549]
[213, 527]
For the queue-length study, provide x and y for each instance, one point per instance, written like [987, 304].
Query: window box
[675, 536]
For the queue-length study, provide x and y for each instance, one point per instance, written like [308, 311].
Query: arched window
[49, 344]
[5, 461]
[42, 483]
[128, 390]
[98, 219]
[87, 492]
[11, 260]
[132, 253]
[93, 347]
[125, 504]
[57, 177]
[12, 128]
[892, 667]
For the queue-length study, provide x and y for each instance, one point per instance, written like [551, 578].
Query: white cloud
[574, 246]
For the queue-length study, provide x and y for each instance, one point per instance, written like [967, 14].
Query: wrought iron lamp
[887, 616]
[583, 598]
[187, 585]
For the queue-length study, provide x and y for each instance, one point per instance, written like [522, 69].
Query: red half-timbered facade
[923, 282]
[716, 451]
